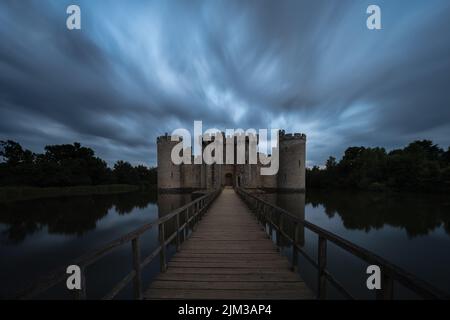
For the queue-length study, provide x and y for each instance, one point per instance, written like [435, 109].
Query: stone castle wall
[290, 177]
[169, 174]
[291, 174]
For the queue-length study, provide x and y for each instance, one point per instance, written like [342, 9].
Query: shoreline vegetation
[11, 194]
[66, 170]
[73, 170]
[421, 166]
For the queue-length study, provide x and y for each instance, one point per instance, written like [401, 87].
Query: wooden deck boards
[228, 257]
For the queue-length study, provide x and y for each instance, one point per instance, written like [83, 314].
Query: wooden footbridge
[224, 250]
[228, 256]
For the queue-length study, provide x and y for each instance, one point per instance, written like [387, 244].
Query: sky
[138, 69]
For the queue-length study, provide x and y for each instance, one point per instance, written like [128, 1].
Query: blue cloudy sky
[140, 68]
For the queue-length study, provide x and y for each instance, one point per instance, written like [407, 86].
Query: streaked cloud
[141, 68]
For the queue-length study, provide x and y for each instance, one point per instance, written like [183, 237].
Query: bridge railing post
[257, 211]
[322, 262]
[280, 230]
[162, 253]
[137, 268]
[294, 247]
[270, 223]
[178, 232]
[197, 214]
[264, 218]
[186, 218]
[194, 216]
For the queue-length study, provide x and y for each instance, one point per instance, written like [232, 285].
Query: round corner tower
[169, 174]
[292, 158]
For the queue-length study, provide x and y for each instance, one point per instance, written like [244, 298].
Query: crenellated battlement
[167, 138]
[292, 136]
[164, 138]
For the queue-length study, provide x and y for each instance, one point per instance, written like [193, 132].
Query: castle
[192, 177]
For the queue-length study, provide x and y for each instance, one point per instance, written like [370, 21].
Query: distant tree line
[420, 166]
[66, 165]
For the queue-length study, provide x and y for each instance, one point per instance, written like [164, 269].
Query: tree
[13, 153]
[331, 163]
[125, 173]
[420, 166]
[65, 165]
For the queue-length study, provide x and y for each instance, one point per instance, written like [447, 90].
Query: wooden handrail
[199, 207]
[390, 272]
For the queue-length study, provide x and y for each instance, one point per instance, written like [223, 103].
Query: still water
[412, 231]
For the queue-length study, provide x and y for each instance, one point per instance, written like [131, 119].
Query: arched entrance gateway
[229, 179]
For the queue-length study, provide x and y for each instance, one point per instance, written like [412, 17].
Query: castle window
[171, 174]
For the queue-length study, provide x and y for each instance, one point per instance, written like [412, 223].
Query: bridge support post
[258, 213]
[137, 268]
[196, 214]
[178, 232]
[279, 231]
[294, 248]
[270, 224]
[162, 243]
[322, 261]
[186, 218]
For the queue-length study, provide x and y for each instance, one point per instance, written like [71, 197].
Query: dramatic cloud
[138, 69]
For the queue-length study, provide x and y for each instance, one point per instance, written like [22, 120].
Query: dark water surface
[39, 236]
[412, 231]
[409, 230]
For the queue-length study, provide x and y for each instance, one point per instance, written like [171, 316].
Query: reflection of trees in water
[125, 203]
[417, 214]
[66, 215]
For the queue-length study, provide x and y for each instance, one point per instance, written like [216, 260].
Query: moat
[412, 231]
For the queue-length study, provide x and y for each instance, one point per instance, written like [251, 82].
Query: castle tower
[169, 174]
[292, 157]
[268, 182]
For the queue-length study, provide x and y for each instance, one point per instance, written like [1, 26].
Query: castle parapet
[292, 136]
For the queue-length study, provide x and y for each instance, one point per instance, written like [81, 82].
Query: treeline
[421, 166]
[66, 165]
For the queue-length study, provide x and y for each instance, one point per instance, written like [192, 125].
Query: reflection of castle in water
[293, 203]
[167, 203]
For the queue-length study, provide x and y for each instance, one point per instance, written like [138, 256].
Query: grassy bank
[8, 194]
